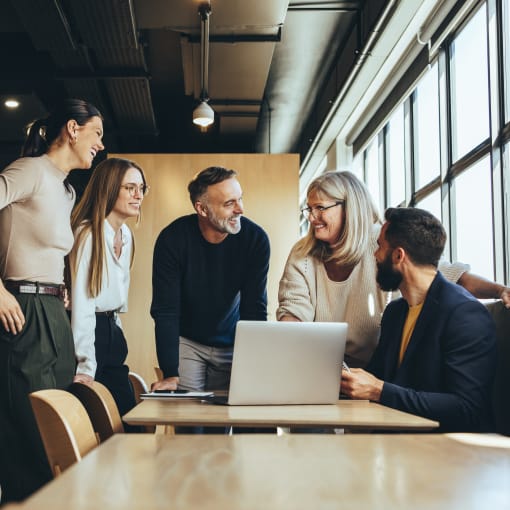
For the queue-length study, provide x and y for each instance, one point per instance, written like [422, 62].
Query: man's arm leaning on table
[165, 310]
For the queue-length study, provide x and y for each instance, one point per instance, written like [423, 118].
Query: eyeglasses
[132, 189]
[317, 210]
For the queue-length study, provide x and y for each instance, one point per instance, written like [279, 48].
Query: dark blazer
[447, 370]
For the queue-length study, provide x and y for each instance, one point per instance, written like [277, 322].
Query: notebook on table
[175, 394]
[286, 363]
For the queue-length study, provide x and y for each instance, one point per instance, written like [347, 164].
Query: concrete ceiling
[273, 68]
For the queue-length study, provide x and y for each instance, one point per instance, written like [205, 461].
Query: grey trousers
[40, 357]
[202, 367]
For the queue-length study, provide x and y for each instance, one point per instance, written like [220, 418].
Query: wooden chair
[139, 385]
[500, 402]
[65, 428]
[101, 407]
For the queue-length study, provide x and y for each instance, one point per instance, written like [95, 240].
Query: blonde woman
[330, 274]
[100, 264]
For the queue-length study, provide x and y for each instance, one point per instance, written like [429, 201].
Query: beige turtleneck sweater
[35, 229]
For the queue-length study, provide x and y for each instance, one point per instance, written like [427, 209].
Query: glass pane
[432, 203]
[426, 134]
[506, 36]
[357, 165]
[396, 173]
[473, 212]
[506, 204]
[469, 86]
[372, 172]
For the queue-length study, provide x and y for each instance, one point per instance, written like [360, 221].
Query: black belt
[24, 287]
[109, 313]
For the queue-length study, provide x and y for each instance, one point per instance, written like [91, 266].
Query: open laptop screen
[287, 362]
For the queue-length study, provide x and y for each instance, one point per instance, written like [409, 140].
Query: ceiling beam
[239, 38]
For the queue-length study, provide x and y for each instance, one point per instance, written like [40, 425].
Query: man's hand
[360, 384]
[83, 378]
[170, 383]
[11, 315]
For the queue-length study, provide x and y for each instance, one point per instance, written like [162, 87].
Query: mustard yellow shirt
[412, 317]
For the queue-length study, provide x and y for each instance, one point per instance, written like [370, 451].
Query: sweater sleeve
[83, 317]
[165, 307]
[297, 290]
[17, 183]
[253, 305]
[452, 271]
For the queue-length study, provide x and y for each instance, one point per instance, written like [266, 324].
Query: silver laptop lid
[287, 362]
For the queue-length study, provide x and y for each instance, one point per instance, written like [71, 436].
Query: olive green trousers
[40, 357]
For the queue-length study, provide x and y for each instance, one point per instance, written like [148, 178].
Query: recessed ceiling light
[11, 103]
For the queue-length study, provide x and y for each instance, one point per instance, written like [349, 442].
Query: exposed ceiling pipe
[363, 54]
[203, 115]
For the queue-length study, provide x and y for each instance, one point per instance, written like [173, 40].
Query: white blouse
[113, 294]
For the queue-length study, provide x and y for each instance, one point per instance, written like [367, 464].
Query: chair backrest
[139, 385]
[65, 427]
[500, 401]
[101, 407]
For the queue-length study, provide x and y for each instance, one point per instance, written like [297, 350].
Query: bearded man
[436, 355]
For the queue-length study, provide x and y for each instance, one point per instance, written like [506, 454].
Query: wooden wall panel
[270, 187]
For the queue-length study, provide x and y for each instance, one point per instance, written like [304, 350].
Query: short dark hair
[418, 232]
[211, 175]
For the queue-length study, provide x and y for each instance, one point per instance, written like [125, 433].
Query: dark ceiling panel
[138, 61]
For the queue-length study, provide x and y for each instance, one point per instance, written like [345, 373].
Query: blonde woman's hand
[83, 378]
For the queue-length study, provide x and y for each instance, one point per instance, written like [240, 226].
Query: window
[506, 50]
[469, 86]
[473, 218]
[396, 172]
[426, 128]
[372, 172]
[357, 165]
[454, 94]
[432, 203]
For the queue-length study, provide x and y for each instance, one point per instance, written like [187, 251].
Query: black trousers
[40, 357]
[111, 353]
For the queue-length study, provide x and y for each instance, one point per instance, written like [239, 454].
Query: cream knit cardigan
[308, 294]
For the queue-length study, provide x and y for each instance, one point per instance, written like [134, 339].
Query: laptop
[287, 363]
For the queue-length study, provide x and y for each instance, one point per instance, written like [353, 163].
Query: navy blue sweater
[200, 290]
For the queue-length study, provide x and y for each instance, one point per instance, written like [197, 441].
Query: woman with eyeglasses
[330, 275]
[100, 263]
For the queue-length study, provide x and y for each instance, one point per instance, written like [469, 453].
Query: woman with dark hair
[36, 344]
[100, 263]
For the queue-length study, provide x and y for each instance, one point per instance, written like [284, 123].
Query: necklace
[117, 243]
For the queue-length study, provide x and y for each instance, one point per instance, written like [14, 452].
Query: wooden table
[356, 415]
[147, 471]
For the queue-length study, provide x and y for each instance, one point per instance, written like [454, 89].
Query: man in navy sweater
[209, 271]
[436, 355]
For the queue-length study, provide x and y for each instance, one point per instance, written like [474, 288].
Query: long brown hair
[96, 204]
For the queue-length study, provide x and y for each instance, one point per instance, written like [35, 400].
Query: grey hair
[359, 215]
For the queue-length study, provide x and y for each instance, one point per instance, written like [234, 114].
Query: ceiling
[274, 70]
